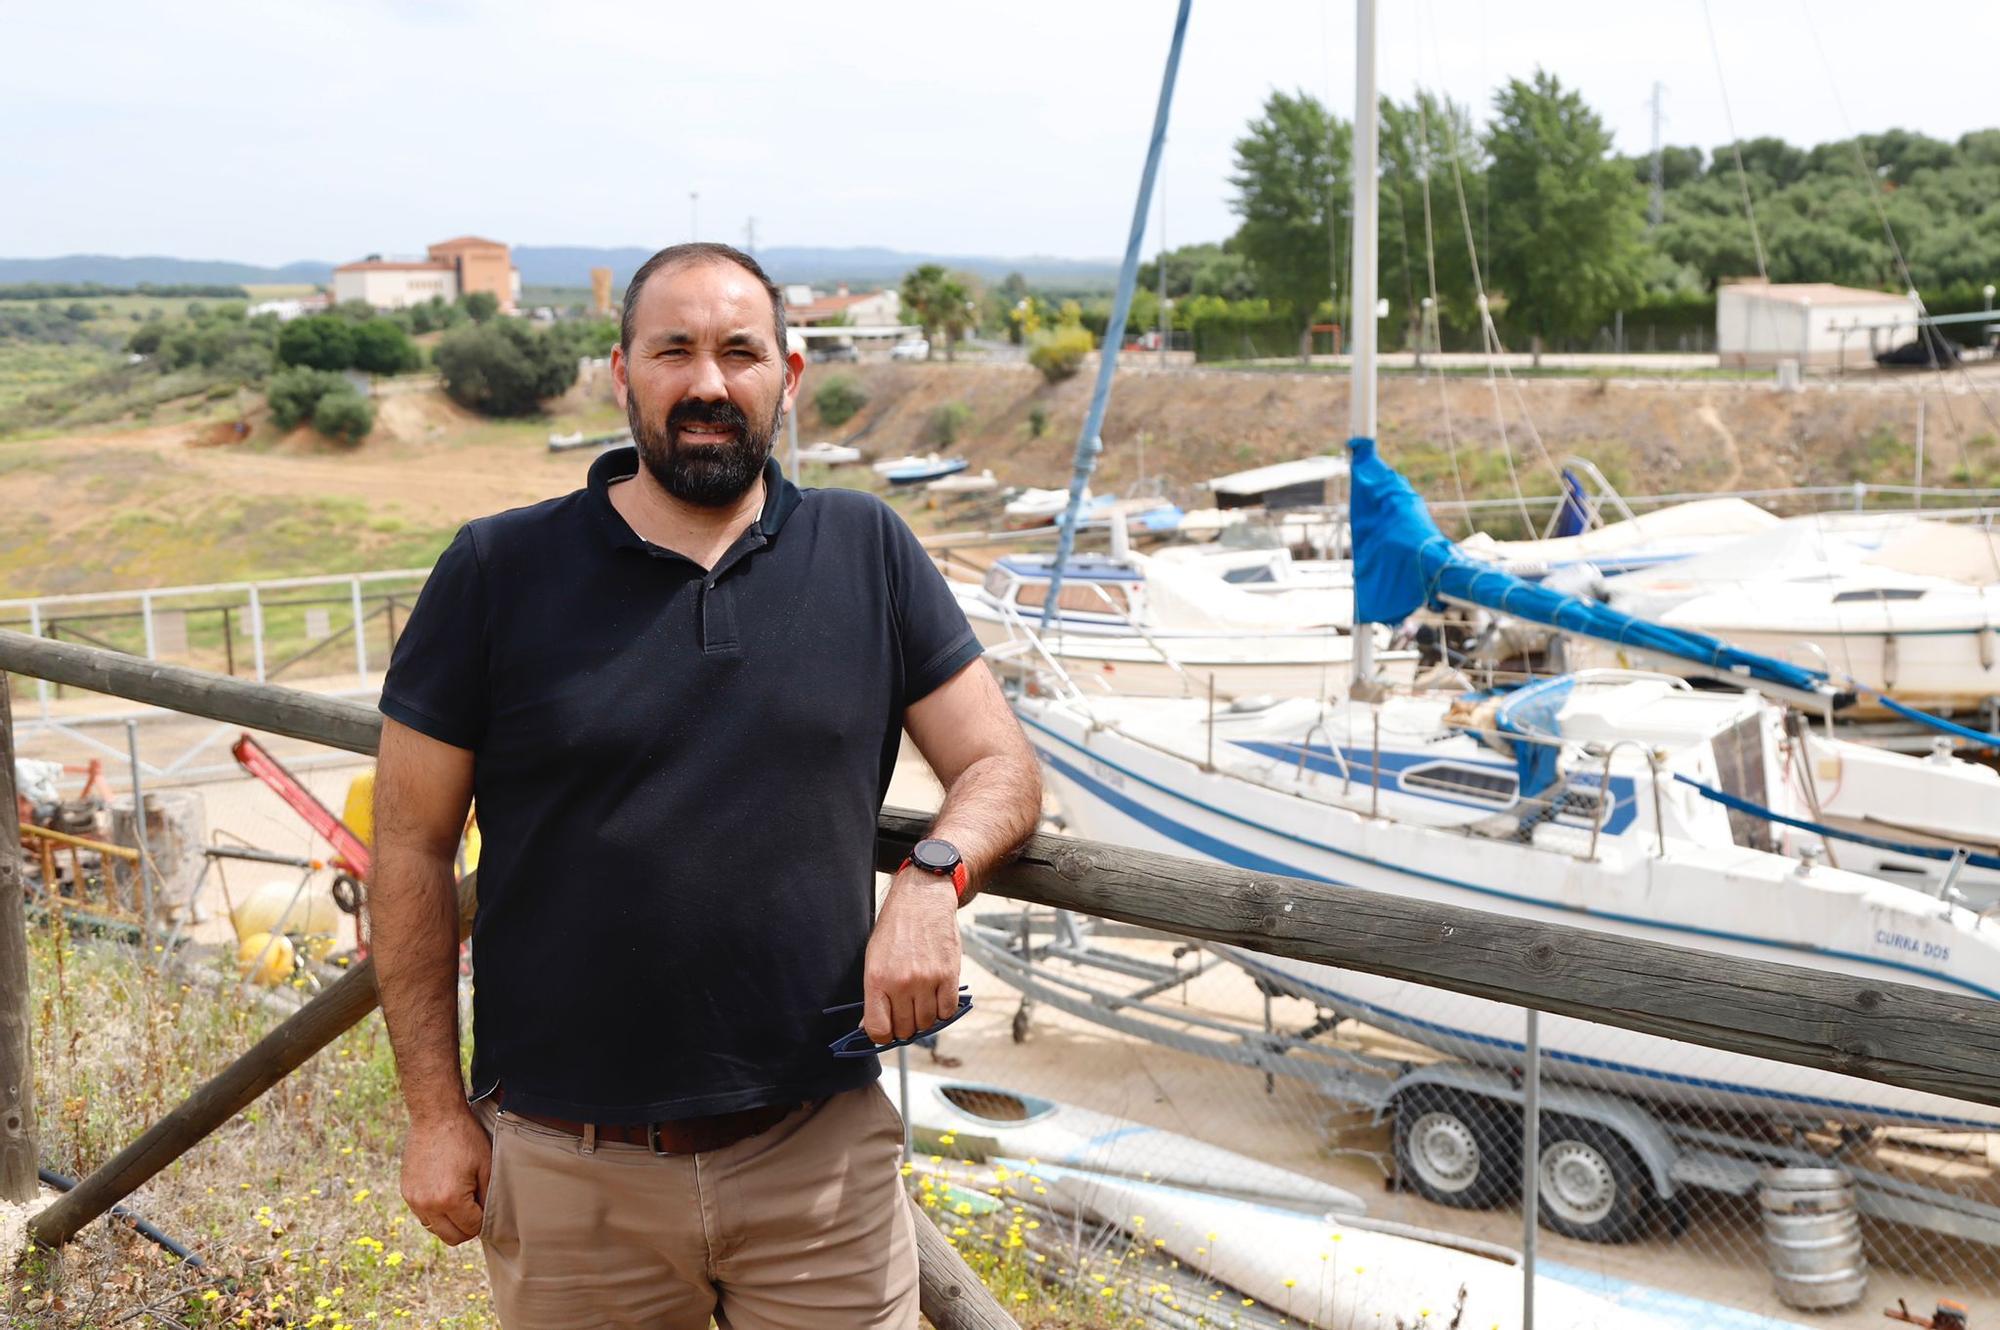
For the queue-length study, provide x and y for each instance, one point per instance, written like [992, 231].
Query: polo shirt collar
[781, 497]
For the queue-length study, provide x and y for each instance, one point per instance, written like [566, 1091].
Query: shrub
[503, 368]
[948, 422]
[294, 394]
[1058, 352]
[1038, 421]
[344, 414]
[839, 399]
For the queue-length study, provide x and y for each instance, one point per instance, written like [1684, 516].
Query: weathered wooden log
[18, 1158]
[1900, 1034]
[333, 721]
[330, 1014]
[950, 1295]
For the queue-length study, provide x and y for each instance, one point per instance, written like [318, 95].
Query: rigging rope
[1872, 188]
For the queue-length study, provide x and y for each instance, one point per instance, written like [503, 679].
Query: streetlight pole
[694, 214]
[1988, 292]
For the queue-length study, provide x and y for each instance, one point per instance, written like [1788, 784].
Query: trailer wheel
[1457, 1149]
[1592, 1185]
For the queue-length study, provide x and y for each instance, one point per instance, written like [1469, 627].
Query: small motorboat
[922, 471]
[904, 463]
[1037, 507]
[829, 454]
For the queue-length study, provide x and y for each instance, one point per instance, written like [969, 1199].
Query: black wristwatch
[940, 858]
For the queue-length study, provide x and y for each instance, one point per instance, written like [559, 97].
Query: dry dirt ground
[1649, 436]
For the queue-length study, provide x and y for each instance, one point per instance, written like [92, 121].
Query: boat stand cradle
[1056, 957]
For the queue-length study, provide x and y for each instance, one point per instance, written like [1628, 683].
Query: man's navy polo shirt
[677, 775]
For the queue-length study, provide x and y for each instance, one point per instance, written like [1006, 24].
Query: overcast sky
[322, 130]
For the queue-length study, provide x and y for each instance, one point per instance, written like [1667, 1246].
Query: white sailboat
[1143, 626]
[1900, 606]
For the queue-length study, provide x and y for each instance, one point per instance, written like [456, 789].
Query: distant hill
[570, 265]
[110, 270]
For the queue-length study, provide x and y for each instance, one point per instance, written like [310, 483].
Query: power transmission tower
[1658, 211]
[750, 236]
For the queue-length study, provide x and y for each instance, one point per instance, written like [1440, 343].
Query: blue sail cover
[1402, 562]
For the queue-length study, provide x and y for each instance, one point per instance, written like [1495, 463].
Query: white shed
[1815, 323]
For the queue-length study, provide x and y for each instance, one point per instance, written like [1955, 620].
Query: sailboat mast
[1361, 280]
[1088, 444]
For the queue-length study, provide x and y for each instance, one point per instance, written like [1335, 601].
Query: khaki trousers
[802, 1227]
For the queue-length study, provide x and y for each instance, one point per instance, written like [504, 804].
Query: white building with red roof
[805, 307]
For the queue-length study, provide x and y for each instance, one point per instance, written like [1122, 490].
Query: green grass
[28, 368]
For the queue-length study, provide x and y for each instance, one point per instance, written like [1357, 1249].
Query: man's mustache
[688, 412]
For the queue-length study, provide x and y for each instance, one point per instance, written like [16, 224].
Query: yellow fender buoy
[277, 954]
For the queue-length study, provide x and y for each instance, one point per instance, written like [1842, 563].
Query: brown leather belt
[680, 1136]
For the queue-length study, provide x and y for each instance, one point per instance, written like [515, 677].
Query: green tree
[381, 347]
[320, 341]
[1568, 219]
[1292, 171]
[1207, 269]
[503, 368]
[343, 415]
[481, 306]
[1421, 143]
[939, 301]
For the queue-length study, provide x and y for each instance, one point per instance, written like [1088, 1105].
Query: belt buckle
[653, 1139]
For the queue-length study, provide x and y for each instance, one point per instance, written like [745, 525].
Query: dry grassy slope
[175, 504]
[1701, 436]
[179, 504]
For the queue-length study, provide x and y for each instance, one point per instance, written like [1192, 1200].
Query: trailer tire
[1457, 1149]
[1593, 1187]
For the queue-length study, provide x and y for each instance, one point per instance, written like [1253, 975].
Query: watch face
[935, 856]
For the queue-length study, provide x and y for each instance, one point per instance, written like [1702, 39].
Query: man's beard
[705, 475]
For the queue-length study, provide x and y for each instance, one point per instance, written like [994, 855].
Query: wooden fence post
[19, 1159]
[949, 1293]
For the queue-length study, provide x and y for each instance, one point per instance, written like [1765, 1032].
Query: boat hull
[1113, 789]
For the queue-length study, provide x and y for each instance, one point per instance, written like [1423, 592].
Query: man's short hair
[700, 251]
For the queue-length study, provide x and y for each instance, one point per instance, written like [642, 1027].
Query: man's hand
[446, 1162]
[910, 980]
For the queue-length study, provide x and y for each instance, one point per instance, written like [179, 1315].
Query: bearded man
[678, 695]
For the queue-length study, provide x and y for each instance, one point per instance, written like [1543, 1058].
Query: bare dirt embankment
[1648, 438]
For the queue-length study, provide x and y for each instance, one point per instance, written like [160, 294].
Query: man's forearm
[413, 905]
[993, 806]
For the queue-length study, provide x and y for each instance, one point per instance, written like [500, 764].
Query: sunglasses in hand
[856, 1043]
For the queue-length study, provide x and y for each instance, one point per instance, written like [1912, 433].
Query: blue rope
[1938, 723]
[1742, 805]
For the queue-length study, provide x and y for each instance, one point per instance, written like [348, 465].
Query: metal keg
[1812, 1237]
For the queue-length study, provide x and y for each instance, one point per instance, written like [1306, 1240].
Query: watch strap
[960, 879]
